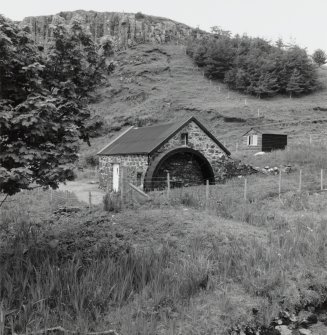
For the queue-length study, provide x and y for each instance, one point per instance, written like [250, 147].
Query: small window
[253, 140]
[184, 138]
[139, 179]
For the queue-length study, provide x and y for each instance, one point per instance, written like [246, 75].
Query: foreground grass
[188, 272]
[171, 266]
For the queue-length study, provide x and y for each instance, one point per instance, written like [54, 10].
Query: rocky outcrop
[126, 28]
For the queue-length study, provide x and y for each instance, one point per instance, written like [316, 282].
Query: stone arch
[200, 166]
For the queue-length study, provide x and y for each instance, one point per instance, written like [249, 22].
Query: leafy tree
[319, 57]
[43, 103]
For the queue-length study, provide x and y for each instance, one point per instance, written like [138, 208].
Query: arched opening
[186, 167]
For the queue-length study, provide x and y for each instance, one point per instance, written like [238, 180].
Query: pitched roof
[146, 140]
[264, 131]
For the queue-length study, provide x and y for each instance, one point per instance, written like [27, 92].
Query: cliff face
[125, 28]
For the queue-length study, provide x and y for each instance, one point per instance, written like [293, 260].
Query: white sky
[302, 21]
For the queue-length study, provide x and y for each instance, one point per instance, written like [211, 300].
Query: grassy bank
[165, 269]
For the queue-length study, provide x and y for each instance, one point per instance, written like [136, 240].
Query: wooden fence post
[168, 186]
[321, 179]
[245, 189]
[310, 139]
[207, 194]
[300, 181]
[280, 182]
[108, 187]
[258, 112]
[90, 200]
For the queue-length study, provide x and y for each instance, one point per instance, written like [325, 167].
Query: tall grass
[154, 287]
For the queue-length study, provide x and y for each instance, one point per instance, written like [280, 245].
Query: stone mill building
[185, 149]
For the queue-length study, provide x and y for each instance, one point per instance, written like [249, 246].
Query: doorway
[115, 177]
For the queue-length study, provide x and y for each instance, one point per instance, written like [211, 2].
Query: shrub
[139, 16]
[91, 160]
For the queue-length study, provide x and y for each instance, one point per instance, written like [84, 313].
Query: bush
[91, 160]
[139, 16]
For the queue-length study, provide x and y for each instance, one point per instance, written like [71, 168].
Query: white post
[245, 102]
[310, 139]
[300, 181]
[321, 179]
[245, 189]
[258, 112]
[90, 200]
[236, 146]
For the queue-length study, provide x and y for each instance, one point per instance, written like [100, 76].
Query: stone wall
[183, 169]
[200, 141]
[126, 29]
[132, 165]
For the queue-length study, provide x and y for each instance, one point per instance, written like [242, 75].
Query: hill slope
[157, 83]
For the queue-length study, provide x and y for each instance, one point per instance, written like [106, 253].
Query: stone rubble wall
[126, 29]
[200, 141]
[132, 165]
[223, 166]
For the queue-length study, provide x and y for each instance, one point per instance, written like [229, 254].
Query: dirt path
[81, 188]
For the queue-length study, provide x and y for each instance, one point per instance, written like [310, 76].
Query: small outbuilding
[257, 139]
[185, 148]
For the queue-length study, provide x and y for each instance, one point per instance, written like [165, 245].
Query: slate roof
[146, 140]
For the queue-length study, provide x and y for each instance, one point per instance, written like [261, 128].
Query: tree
[254, 65]
[218, 58]
[319, 57]
[43, 103]
[295, 84]
[266, 85]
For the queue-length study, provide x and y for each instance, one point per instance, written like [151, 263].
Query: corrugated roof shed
[265, 131]
[147, 139]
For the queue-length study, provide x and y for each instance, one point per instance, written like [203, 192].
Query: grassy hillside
[160, 83]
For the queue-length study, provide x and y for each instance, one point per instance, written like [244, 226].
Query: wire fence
[178, 189]
[245, 189]
[206, 194]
